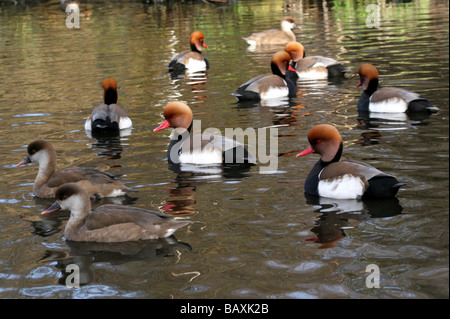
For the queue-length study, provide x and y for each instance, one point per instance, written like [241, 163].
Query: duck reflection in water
[337, 215]
[181, 199]
[86, 255]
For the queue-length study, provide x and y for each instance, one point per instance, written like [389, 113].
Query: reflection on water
[87, 255]
[337, 215]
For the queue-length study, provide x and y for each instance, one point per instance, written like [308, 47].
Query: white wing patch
[317, 72]
[392, 105]
[343, 187]
[124, 123]
[275, 93]
[195, 65]
[206, 156]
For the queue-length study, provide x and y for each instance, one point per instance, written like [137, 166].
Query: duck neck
[372, 87]
[338, 155]
[47, 167]
[110, 96]
[194, 48]
[176, 141]
[78, 215]
[276, 70]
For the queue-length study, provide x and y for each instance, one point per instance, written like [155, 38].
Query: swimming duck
[388, 99]
[312, 67]
[270, 86]
[109, 223]
[203, 148]
[94, 181]
[108, 117]
[193, 60]
[274, 36]
[346, 179]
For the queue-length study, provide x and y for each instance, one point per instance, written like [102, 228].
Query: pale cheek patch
[343, 187]
[392, 105]
[116, 193]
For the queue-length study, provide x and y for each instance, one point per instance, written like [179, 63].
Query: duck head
[325, 140]
[295, 50]
[38, 151]
[178, 116]
[289, 23]
[197, 41]
[368, 75]
[70, 196]
[280, 63]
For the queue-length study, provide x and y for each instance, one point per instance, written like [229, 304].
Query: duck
[108, 117]
[193, 60]
[274, 36]
[312, 67]
[388, 99]
[97, 183]
[203, 148]
[270, 86]
[347, 179]
[109, 223]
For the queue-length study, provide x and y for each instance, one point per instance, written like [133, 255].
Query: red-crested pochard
[193, 60]
[274, 36]
[109, 223]
[312, 67]
[346, 179]
[388, 99]
[203, 148]
[270, 86]
[108, 117]
[95, 182]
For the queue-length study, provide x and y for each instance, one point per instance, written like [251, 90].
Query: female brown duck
[109, 223]
[94, 181]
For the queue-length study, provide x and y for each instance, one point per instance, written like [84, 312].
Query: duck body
[193, 60]
[345, 179]
[270, 86]
[108, 117]
[388, 99]
[274, 36]
[94, 181]
[207, 149]
[312, 67]
[203, 148]
[109, 223]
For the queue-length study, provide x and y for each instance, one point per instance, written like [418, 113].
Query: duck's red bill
[309, 150]
[26, 160]
[359, 84]
[55, 207]
[164, 125]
